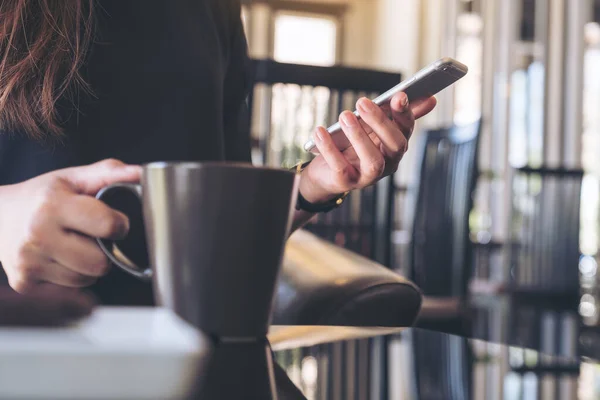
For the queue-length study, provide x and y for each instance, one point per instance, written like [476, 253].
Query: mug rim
[195, 165]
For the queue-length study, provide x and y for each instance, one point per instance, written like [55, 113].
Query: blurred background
[530, 212]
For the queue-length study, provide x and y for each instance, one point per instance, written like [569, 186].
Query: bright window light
[305, 40]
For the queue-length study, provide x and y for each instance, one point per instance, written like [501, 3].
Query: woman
[84, 83]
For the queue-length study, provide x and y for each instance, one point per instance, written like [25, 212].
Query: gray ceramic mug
[215, 235]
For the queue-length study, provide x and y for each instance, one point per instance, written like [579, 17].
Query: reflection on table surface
[494, 347]
[424, 364]
[291, 337]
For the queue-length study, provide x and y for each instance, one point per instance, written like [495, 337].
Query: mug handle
[108, 246]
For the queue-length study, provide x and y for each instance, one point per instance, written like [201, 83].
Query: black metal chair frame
[422, 229]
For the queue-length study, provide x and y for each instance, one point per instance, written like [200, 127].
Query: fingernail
[365, 105]
[347, 119]
[123, 229]
[404, 100]
[319, 135]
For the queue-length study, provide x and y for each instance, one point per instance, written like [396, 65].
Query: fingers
[327, 148]
[91, 178]
[58, 274]
[69, 260]
[402, 114]
[372, 163]
[393, 140]
[93, 218]
[81, 256]
[33, 269]
[423, 107]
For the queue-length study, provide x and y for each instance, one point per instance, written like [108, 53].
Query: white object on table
[116, 353]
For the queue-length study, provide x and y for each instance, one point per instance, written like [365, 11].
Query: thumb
[91, 178]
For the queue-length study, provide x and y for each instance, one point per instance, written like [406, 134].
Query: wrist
[312, 191]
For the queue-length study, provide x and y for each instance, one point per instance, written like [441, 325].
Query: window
[305, 39]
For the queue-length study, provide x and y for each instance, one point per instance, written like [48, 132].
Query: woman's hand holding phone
[378, 143]
[426, 83]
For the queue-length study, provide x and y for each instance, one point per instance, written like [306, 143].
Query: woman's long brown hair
[42, 46]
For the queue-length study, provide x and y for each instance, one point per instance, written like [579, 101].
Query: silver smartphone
[425, 83]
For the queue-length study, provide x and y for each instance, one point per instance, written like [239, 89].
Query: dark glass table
[494, 347]
[489, 347]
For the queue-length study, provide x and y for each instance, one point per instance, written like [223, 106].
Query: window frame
[307, 8]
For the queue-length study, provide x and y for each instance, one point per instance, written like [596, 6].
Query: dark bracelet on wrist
[305, 205]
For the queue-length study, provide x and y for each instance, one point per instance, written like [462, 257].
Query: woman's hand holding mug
[47, 224]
